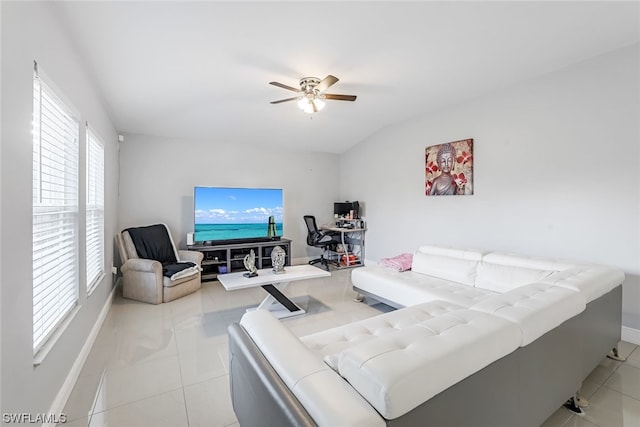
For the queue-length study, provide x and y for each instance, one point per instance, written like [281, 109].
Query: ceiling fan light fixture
[303, 102]
[306, 104]
[311, 98]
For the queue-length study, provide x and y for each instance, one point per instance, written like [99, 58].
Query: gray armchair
[153, 270]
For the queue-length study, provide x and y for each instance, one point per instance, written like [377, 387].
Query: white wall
[29, 32]
[157, 177]
[555, 173]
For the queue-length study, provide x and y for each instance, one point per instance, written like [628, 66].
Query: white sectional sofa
[477, 340]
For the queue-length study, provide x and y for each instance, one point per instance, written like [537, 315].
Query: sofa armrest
[142, 280]
[326, 396]
[142, 265]
[191, 256]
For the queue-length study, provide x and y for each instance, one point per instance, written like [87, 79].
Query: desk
[353, 243]
[274, 284]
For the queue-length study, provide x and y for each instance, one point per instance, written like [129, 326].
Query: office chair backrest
[312, 230]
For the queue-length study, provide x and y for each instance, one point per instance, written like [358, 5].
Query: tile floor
[166, 365]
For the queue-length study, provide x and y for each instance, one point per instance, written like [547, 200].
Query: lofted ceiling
[200, 70]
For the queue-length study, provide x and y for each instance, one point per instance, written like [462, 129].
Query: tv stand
[221, 258]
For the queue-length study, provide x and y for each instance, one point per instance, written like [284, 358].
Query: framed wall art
[449, 169]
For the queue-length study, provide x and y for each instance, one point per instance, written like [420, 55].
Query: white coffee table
[276, 302]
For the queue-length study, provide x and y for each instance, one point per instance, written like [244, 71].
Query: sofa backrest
[127, 246]
[536, 263]
[501, 272]
[456, 265]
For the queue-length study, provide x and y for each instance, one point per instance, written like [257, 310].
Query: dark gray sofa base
[258, 395]
[526, 386]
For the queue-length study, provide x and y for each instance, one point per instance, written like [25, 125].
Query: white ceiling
[200, 70]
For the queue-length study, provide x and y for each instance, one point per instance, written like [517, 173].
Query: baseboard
[631, 335]
[300, 261]
[74, 373]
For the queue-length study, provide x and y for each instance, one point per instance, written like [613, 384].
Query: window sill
[39, 357]
[95, 284]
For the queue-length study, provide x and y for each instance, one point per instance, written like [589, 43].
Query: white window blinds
[95, 211]
[55, 211]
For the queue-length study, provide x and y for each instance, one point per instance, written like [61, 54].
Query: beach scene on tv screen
[236, 213]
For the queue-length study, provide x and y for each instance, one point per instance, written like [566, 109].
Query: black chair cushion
[153, 242]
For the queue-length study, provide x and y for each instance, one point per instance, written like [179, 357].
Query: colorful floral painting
[449, 168]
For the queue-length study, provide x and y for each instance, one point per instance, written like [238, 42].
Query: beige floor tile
[609, 408]
[603, 371]
[128, 384]
[167, 409]
[81, 402]
[626, 380]
[579, 421]
[558, 419]
[80, 422]
[144, 342]
[633, 359]
[209, 403]
[588, 388]
[193, 304]
[201, 365]
[202, 333]
[626, 348]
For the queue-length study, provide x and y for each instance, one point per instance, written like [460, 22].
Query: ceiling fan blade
[326, 82]
[340, 97]
[313, 104]
[285, 86]
[284, 100]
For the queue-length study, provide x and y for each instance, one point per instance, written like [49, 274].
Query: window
[95, 211]
[55, 211]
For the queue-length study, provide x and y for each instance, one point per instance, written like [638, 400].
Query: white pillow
[456, 270]
[503, 278]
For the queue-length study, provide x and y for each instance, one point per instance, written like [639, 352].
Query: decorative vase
[278, 258]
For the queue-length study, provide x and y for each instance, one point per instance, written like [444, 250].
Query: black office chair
[320, 239]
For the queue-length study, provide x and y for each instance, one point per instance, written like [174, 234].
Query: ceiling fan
[311, 94]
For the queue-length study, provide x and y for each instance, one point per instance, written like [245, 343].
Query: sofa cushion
[503, 278]
[402, 369]
[328, 344]
[592, 281]
[169, 282]
[444, 267]
[537, 308]
[411, 288]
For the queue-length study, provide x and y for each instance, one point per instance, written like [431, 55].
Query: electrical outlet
[114, 270]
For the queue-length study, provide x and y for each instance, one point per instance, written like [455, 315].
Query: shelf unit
[230, 257]
[352, 233]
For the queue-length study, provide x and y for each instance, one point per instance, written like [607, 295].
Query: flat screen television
[234, 215]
